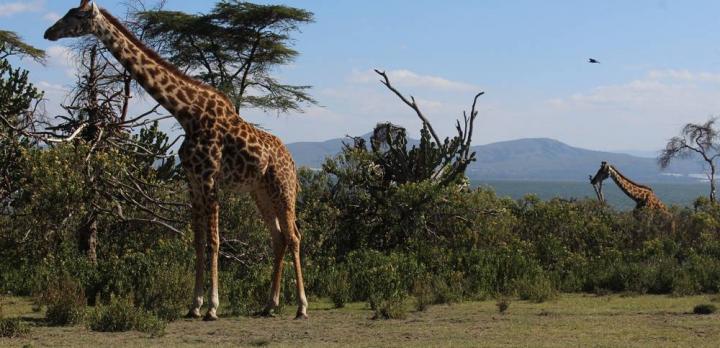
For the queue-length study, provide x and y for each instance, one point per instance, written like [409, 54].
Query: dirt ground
[572, 320]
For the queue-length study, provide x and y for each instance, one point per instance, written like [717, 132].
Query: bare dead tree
[695, 140]
[97, 114]
[453, 154]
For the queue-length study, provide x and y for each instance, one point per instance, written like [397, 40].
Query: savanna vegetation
[94, 217]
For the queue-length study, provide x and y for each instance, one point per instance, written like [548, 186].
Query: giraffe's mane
[630, 181]
[156, 57]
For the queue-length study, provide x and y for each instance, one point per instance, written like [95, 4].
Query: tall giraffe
[220, 149]
[643, 196]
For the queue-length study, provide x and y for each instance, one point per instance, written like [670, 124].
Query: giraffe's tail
[297, 231]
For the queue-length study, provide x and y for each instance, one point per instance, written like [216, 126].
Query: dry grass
[571, 320]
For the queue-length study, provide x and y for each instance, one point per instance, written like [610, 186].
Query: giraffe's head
[602, 173]
[77, 22]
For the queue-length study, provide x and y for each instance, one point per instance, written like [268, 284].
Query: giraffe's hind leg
[265, 206]
[286, 218]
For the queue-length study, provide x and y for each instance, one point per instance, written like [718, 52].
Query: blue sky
[660, 66]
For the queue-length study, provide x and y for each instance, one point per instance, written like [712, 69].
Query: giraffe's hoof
[193, 314]
[301, 316]
[210, 317]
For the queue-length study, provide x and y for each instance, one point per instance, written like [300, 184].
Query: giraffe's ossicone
[220, 150]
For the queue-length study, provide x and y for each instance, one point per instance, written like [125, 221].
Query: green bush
[338, 287]
[65, 303]
[121, 315]
[247, 288]
[13, 328]
[704, 309]
[449, 288]
[538, 288]
[392, 308]
[423, 292]
[377, 277]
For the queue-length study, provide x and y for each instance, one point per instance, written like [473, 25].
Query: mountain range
[534, 159]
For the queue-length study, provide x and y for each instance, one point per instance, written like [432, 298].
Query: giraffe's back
[252, 157]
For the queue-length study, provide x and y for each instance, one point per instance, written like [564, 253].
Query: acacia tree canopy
[701, 140]
[235, 47]
[11, 44]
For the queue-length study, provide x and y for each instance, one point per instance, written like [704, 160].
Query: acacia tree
[695, 140]
[235, 48]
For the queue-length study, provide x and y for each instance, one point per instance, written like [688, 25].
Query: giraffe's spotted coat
[220, 150]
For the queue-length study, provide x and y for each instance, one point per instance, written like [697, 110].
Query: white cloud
[407, 78]
[659, 89]
[51, 17]
[684, 75]
[641, 113]
[8, 9]
[47, 86]
[61, 57]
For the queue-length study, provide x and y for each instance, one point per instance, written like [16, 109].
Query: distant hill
[537, 159]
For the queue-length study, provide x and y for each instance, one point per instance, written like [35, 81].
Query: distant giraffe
[220, 148]
[643, 196]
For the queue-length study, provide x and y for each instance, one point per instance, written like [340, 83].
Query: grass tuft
[705, 309]
[13, 328]
[502, 305]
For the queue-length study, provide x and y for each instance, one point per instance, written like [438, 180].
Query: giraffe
[643, 196]
[220, 150]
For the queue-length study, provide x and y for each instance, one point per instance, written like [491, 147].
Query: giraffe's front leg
[214, 239]
[200, 233]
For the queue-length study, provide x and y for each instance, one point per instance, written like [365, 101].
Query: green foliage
[235, 46]
[705, 309]
[391, 308]
[18, 96]
[423, 292]
[120, 315]
[338, 287]
[158, 280]
[537, 289]
[11, 44]
[13, 328]
[247, 288]
[378, 278]
[65, 301]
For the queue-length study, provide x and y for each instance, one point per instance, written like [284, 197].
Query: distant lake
[670, 194]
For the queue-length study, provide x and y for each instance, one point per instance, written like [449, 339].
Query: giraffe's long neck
[628, 187]
[175, 91]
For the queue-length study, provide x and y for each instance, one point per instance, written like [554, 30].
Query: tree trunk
[87, 238]
[712, 184]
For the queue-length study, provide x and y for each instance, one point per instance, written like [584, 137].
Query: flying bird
[593, 61]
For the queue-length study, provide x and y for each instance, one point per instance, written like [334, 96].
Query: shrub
[65, 301]
[247, 288]
[120, 315]
[159, 280]
[704, 309]
[338, 287]
[12, 328]
[377, 278]
[423, 292]
[538, 288]
[392, 308]
[503, 304]
[448, 289]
